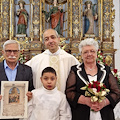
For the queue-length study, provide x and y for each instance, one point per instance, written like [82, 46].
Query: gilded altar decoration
[59, 1]
[108, 60]
[79, 19]
[1, 58]
[5, 19]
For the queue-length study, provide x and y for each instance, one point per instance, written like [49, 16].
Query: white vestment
[48, 105]
[60, 61]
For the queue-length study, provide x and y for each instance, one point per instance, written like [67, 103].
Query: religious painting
[14, 99]
[14, 95]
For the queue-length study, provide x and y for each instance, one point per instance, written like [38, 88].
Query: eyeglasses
[10, 51]
[87, 52]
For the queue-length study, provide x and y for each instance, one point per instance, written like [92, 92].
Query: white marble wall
[116, 34]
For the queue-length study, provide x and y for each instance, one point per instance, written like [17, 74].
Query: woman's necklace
[91, 69]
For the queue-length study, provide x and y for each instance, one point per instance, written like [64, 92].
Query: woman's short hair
[88, 42]
[11, 42]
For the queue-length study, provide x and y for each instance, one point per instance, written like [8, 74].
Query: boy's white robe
[41, 61]
[48, 105]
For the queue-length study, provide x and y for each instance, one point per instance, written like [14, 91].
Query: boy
[47, 102]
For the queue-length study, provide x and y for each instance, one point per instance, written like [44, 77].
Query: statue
[23, 18]
[90, 16]
[56, 16]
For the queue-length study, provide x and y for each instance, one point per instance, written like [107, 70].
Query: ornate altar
[74, 25]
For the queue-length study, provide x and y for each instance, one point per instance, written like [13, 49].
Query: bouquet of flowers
[96, 90]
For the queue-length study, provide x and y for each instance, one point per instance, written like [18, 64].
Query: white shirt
[48, 105]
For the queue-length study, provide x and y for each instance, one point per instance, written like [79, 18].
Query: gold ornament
[108, 60]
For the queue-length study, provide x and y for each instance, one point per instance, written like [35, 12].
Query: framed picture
[14, 99]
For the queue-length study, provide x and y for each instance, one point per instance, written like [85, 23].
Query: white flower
[94, 90]
[118, 74]
[94, 98]
[101, 84]
[103, 93]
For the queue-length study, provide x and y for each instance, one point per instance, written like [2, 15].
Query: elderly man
[53, 56]
[11, 69]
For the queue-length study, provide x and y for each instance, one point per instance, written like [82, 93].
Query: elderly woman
[84, 73]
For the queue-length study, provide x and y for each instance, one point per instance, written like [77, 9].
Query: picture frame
[14, 99]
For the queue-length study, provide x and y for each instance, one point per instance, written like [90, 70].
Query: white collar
[56, 53]
[49, 91]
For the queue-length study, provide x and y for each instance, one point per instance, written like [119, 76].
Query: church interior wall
[116, 33]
